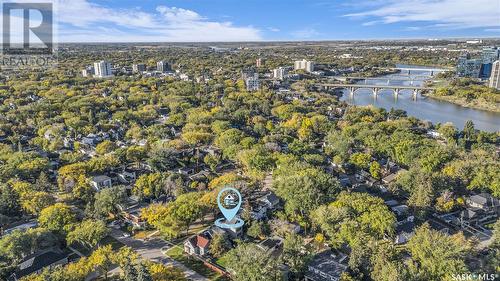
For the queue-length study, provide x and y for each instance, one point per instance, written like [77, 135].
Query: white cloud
[446, 13]
[273, 29]
[84, 21]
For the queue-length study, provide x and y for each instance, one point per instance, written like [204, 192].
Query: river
[424, 108]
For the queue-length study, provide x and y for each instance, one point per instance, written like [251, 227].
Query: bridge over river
[375, 88]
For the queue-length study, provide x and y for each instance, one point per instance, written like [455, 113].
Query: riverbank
[467, 93]
[479, 104]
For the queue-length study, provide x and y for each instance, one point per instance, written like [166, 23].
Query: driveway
[151, 250]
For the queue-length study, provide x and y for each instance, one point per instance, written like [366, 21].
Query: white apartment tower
[163, 66]
[280, 73]
[495, 75]
[305, 65]
[102, 69]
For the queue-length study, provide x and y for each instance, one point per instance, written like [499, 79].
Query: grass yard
[192, 263]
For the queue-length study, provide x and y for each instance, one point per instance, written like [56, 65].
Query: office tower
[306, 65]
[163, 66]
[488, 56]
[468, 67]
[137, 68]
[495, 75]
[102, 69]
[280, 73]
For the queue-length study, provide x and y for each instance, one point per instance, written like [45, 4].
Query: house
[401, 211]
[267, 202]
[283, 227]
[404, 231]
[21, 227]
[389, 178]
[100, 182]
[271, 245]
[270, 200]
[197, 245]
[36, 262]
[326, 266]
[127, 176]
[133, 216]
[470, 216]
[258, 212]
[344, 180]
[484, 201]
[91, 140]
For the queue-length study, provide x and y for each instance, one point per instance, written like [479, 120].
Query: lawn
[177, 254]
[222, 261]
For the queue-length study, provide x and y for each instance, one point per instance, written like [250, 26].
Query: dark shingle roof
[39, 260]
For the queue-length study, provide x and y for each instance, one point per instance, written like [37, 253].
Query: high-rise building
[140, 67]
[495, 75]
[249, 73]
[163, 66]
[252, 83]
[468, 67]
[488, 56]
[280, 73]
[88, 71]
[260, 62]
[304, 65]
[102, 69]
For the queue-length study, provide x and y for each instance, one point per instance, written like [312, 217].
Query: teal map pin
[229, 202]
[229, 205]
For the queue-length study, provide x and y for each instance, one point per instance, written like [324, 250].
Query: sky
[273, 20]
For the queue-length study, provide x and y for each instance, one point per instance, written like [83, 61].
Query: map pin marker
[226, 200]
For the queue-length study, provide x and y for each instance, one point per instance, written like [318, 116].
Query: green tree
[149, 185]
[219, 245]
[58, 217]
[435, 255]
[303, 189]
[469, 130]
[9, 201]
[105, 147]
[180, 214]
[247, 262]
[355, 217]
[88, 233]
[375, 170]
[360, 160]
[296, 255]
[107, 201]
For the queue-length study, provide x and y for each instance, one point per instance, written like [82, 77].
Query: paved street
[151, 250]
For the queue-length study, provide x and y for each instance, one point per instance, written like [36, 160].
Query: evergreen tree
[143, 273]
[469, 130]
[129, 273]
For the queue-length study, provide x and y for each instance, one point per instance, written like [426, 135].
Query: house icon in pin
[229, 201]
